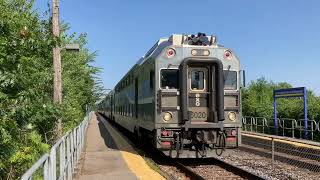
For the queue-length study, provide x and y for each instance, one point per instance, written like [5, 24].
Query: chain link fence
[287, 153]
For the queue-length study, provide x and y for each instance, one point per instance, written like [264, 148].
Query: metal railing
[286, 153]
[286, 127]
[63, 156]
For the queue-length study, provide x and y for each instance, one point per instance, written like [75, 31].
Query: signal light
[171, 53]
[194, 52]
[227, 54]
[231, 139]
[166, 133]
[166, 144]
[206, 52]
[200, 52]
[233, 132]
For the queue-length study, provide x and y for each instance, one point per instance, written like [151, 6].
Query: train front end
[198, 98]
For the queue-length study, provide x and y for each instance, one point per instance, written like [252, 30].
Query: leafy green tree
[27, 114]
[257, 101]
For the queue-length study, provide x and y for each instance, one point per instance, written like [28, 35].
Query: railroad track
[213, 169]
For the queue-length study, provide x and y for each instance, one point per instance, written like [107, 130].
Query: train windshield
[197, 80]
[170, 79]
[230, 82]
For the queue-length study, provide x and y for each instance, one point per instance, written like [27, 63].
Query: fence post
[62, 158]
[69, 176]
[283, 126]
[46, 170]
[78, 142]
[53, 164]
[292, 128]
[312, 130]
[272, 151]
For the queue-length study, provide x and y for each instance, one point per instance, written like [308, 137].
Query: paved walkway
[109, 156]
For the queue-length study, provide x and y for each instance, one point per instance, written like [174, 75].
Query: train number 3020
[198, 115]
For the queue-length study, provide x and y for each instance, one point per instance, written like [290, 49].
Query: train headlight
[167, 116]
[194, 52]
[232, 116]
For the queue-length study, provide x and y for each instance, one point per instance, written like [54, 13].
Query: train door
[198, 93]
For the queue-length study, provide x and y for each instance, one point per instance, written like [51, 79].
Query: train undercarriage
[195, 143]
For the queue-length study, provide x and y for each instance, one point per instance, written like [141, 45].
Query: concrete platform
[108, 155]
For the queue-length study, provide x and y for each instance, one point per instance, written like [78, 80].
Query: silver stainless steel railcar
[183, 95]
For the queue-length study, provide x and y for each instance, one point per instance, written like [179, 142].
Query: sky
[276, 39]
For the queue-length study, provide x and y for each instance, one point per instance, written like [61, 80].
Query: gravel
[173, 171]
[249, 161]
[214, 172]
[262, 166]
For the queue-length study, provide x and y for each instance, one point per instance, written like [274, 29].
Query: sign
[300, 92]
[289, 93]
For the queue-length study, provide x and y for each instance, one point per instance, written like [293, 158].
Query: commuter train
[183, 96]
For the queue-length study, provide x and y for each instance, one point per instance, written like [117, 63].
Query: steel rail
[213, 161]
[188, 172]
[238, 170]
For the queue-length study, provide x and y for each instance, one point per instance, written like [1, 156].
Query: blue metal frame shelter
[291, 93]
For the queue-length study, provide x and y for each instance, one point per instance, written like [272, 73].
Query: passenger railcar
[183, 95]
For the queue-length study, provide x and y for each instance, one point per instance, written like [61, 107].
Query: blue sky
[277, 39]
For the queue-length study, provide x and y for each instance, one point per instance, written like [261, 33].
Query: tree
[257, 101]
[27, 114]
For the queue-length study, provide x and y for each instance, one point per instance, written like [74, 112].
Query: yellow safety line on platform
[298, 144]
[134, 161]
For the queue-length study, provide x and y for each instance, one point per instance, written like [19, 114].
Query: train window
[170, 79]
[151, 76]
[127, 110]
[197, 80]
[132, 110]
[230, 80]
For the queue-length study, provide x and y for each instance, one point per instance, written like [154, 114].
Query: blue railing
[286, 127]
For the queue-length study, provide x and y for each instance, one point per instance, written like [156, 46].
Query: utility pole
[57, 84]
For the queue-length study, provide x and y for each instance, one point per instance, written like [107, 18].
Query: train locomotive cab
[194, 119]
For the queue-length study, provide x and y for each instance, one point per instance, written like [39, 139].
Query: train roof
[184, 40]
[180, 40]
